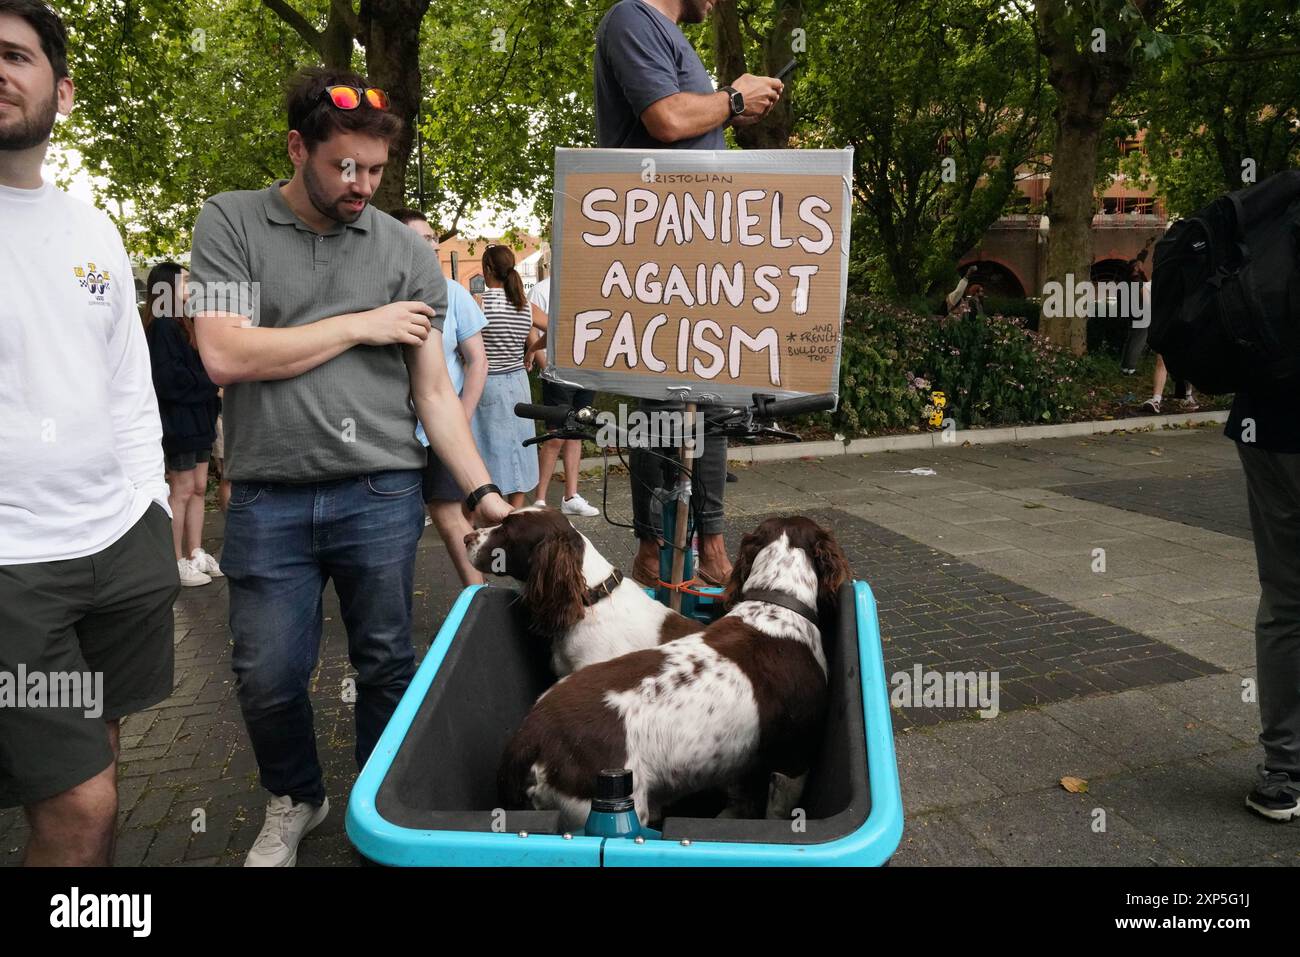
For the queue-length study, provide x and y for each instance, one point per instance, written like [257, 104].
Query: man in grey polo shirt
[322, 317]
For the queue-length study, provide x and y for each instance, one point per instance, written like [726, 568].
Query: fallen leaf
[1190, 725]
[1075, 785]
[1034, 505]
[1155, 452]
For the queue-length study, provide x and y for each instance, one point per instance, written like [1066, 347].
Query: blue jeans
[283, 542]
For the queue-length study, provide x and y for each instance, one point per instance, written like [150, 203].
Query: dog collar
[597, 592]
[785, 601]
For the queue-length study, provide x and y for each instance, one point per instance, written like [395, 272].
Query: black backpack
[1225, 292]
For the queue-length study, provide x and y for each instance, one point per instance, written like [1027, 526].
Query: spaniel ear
[749, 549]
[832, 568]
[555, 587]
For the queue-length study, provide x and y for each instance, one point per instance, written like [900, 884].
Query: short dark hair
[317, 119]
[54, 36]
[405, 215]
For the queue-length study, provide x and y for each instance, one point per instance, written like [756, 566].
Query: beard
[320, 198]
[24, 132]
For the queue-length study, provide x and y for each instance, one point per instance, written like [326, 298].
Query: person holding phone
[653, 92]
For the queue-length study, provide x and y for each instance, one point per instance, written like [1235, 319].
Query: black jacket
[187, 398]
[1267, 423]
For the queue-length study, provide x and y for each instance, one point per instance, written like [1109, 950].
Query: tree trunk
[333, 44]
[391, 34]
[1070, 209]
[389, 30]
[773, 133]
[1087, 80]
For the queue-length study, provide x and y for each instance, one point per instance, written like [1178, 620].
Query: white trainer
[191, 576]
[287, 823]
[578, 506]
[206, 563]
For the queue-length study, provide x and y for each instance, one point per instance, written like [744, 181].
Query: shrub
[991, 369]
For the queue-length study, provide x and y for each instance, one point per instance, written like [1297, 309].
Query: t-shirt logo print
[96, 281]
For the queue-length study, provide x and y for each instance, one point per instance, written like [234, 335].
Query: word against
[946, 689]
[1099, 300]
[103, 910]
[650, 429]
[56, 689]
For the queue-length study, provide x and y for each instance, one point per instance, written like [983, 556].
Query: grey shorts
[98, 629]
[186, 461]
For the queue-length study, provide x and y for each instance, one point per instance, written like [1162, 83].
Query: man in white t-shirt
[87, 574]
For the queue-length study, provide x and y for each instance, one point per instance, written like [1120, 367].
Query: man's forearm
[475, 379]
[683, 116]
[233, 352]
[450, 437]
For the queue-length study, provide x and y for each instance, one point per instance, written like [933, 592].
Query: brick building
[1012, 256]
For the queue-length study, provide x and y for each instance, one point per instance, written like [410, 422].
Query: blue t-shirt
[464, 319]
[641, 57]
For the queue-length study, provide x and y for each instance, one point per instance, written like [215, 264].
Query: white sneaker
[540, 503]
[206, 563]
[578, 506]
[286, 824]
[190, 575]
[427, 520]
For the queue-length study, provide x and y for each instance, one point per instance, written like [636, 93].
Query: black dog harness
[785, 601]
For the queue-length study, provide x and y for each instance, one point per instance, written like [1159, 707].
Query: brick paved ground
[1216, 501]
[949, 615]
[989, 563]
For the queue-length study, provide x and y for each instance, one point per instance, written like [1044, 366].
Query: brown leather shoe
[647, 575]
[711, 580]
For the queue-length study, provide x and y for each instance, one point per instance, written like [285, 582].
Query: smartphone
[785, 70]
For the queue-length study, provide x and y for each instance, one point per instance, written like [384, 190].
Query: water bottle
[613, 812]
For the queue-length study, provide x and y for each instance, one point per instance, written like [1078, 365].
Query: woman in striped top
[497, 430]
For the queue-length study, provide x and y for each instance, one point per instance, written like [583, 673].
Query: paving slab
[1060, 829]
[1141, 729]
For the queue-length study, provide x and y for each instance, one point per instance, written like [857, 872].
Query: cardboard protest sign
[723, 273]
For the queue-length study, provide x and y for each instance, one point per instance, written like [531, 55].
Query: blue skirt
[498, 432]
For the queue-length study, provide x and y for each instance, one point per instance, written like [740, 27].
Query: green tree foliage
[1224, 109]
[176, 101]
[942, 105]
[505, 86]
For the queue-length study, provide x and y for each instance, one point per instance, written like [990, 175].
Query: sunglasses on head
[350, 97]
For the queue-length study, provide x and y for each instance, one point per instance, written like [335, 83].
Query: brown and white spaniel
[736, 706]
[572, 594]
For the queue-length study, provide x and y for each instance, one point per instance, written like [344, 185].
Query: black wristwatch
[736, 99]
[480, 493]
